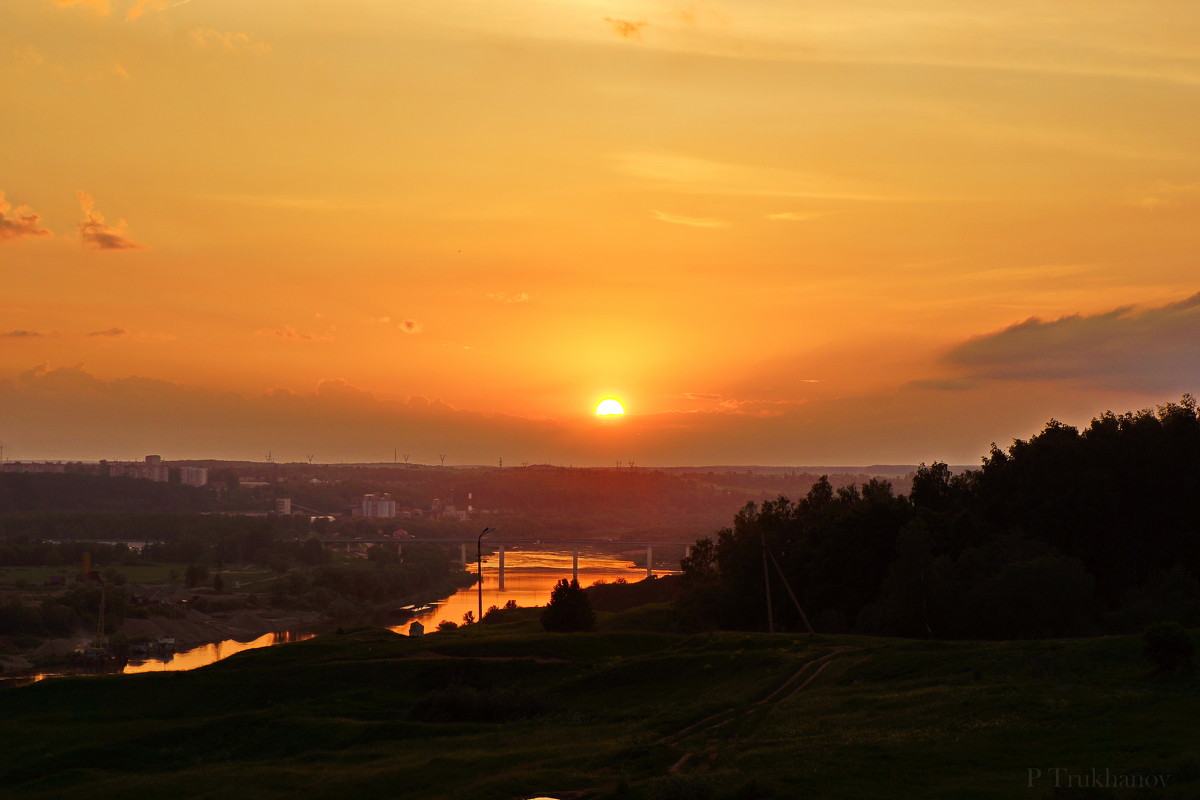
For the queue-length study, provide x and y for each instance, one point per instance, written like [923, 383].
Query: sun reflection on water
[210, 653]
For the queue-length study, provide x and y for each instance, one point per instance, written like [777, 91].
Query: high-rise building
[155, 470]
[378, 506]
[193, 476]
[152, 469]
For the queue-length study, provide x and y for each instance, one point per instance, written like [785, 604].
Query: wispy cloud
[684, 173]
[111, 333]
[228, 41]
[505, 297]
[694, 222]
[1164, 195]
[96, 234]
[22, 223]
[288, 332]
[19, 334]
[140, 7]
[798, 216]
[626, 29]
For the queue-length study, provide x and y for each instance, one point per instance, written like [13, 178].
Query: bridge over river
[574, 545]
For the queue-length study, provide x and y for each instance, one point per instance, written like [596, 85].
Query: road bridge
[575, 545]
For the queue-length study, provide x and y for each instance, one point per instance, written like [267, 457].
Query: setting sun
[609, 408]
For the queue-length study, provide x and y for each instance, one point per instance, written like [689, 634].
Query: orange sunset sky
[780, 231]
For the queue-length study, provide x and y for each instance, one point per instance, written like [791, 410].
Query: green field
[510, 713]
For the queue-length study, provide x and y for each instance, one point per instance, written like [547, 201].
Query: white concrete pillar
[502, 568]
[462, 552]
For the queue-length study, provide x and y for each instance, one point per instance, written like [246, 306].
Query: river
[529, 575]
[209, 653]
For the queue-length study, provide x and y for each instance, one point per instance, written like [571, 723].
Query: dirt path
[706, 727]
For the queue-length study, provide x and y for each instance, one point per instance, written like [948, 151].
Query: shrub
[569, 609]
[1168, 646]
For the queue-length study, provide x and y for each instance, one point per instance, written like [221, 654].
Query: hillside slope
[511, 714]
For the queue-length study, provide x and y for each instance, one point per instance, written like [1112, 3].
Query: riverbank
[197, 628]
[191, 630]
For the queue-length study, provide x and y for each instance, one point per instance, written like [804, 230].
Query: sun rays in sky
[788, 233]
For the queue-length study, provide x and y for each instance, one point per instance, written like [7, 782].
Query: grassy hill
[504, 712]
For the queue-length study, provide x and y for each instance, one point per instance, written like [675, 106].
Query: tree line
[1067, 533]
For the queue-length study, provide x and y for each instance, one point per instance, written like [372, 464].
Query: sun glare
[609, 408]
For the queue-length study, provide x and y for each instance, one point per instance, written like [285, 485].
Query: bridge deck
[565, 542]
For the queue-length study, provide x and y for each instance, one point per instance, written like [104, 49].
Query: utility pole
[767, 585]
[791, 594]
[479, 569]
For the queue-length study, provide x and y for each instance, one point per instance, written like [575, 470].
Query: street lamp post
[479, 568]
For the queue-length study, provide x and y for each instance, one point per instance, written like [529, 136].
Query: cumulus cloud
[505, 297]
[23, 222]
[626, 29]
[228, 41]
[694, 222]
[66, 380]
[112, 333]
[1150, 350]
[94, 233]
[288, 332]
[411, 326]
